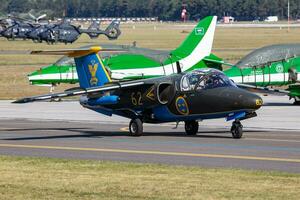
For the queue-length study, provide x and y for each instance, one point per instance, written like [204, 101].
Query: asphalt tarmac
[65, 130]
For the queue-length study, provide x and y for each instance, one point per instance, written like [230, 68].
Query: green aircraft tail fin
[200, 40]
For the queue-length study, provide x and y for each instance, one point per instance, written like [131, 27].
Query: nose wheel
[136, 127]
[237, 129]
[191, 127]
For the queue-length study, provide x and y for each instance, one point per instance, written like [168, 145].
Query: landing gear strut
[52, 88]
[136, 127]
[191, 127]
[237, 129]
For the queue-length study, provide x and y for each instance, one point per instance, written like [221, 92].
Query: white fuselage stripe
[278, 77]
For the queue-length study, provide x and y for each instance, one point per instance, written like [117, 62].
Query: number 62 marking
[136, 99]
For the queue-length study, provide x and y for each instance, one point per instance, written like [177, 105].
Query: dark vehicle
[16, 30]
[65, 32]
[112, 32]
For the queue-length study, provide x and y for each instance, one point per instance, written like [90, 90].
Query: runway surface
[65, 130]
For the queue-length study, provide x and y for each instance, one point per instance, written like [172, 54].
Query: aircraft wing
[92, 90]
[263, 90]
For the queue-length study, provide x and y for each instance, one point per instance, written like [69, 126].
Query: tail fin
[91, 71]
[199, 40]
[90, 68]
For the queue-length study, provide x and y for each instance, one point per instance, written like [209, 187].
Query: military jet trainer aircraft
[189, 97]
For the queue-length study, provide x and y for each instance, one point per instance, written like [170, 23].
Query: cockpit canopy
[65, 61]
[268, 54]
[204, 79]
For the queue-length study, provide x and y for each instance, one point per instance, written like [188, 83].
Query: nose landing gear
[237, 129]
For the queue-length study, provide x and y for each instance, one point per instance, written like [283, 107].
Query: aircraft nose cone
[253, 101]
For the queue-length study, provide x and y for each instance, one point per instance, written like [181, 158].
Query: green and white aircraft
[271, 66]
[139, 63]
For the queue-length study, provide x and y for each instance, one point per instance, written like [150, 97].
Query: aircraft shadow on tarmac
[85, 133]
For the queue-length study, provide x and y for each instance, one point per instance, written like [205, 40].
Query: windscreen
[65, 61]
[204, 79]
[215, 80]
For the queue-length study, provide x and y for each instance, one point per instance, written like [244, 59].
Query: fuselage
[196, 95]
[17, 31]
[121, 67]
[278, 73]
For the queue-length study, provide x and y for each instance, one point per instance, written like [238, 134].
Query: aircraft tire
[297, 101]
[237, 130]
[191, 127]
[136, 127]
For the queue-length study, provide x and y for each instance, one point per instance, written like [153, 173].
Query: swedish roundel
[182, 106]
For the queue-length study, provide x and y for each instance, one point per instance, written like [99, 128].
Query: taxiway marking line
[152, 152]
[125, 129]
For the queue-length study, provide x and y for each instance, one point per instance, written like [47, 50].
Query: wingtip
[17, 102]
[20, 101]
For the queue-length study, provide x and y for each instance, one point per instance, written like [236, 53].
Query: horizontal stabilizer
[80, 52]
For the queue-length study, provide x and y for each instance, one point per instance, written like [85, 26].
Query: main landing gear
[52, 88]
[191, 127]
[136, 127]
[237, 129]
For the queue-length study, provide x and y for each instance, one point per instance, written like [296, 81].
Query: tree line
[163, 9]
